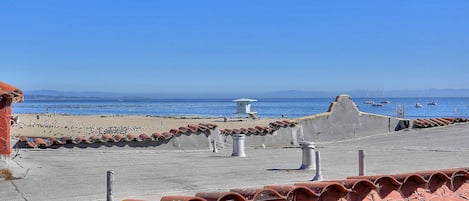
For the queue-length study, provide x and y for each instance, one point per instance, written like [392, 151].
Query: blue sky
[233, 46]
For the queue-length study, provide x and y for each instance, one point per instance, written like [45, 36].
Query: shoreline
[146, 115]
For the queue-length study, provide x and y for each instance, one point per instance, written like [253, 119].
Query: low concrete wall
[343, 120]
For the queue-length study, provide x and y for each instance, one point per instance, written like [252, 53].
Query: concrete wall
[343, 120]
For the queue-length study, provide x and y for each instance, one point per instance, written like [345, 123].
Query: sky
[218, 46]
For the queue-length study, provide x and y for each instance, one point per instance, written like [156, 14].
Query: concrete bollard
[238, 145]
[110, 179]
[361, 163]
[307, 159]
[318, 176]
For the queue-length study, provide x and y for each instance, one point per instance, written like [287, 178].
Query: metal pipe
[318, 176]
[238, 145]
[307, 159]
[361, 163]
[110, 179]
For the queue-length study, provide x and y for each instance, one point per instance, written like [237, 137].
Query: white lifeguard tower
[243, 106]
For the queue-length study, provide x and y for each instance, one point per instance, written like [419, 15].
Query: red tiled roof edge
[110, 140]
[260, 130]
[12, 92]
[447, 184]
[434, 122]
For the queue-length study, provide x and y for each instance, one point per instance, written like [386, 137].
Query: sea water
[268, 107]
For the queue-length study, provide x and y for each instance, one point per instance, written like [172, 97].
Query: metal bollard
[110, 179]
[361, 163]
[307, 159]
[238, 145]
[318, 176]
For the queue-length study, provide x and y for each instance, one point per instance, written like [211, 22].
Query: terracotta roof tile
[210, 126]
[182, 198]
[118, 137]
[97, 140]
[107, 137]
[12, 92]
[221, 196]
[259, 194]
[433, 122]
[193, 128]
[131, 137]
[259, 130]
[167, 135]
[40, 142]
[447, 184]
[184, 129]
[324, 187]
[285, 190]
[55, 141]
[175, 131]
[144, 137]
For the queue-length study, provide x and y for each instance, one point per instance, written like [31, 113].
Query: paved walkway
[149, 173]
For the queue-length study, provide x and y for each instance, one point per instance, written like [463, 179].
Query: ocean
[267, 108]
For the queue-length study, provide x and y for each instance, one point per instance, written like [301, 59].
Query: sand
[55, 125]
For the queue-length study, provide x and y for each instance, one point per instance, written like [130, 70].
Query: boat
[432, 103]
[369, 102]
[385, 102]
[377, 105]
[418, 105]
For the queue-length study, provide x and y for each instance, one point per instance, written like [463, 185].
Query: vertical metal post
[318, 176]
[110, 179]
[361, 163]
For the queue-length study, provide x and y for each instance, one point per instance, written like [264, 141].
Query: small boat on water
[369, 102]
[432, 103]
[385, 101]
[418, 105]
[377, 105]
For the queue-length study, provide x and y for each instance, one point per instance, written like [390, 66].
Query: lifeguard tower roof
[244, 100]
[243, 106]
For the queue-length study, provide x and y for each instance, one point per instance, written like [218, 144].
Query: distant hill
[63, 95]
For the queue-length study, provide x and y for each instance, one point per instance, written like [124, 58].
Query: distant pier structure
[243, 107]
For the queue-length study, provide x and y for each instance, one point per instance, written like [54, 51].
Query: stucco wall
[343, 120]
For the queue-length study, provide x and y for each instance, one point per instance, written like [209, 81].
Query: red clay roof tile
[131, 137]
[15, 94]
[181, 198]
[24, 141]
[144, 137]
[258, 194]
[425, 123]
[448, 184]
[107, 137]
[221, 196]
[118, 137]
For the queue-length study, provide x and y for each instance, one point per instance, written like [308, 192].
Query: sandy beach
[55, 125]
